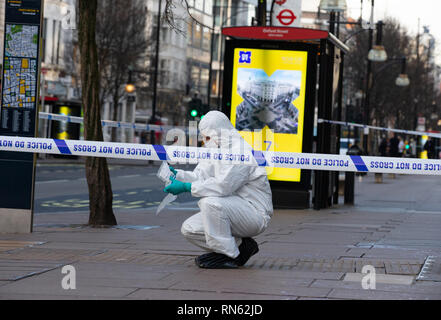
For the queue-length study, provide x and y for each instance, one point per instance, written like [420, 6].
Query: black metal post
[349, 187]
[261, 12]
[332, 22]
[338, 25]
[366, 99]
[339, 118]
[379, 39]
[155, 75]
[210, 70]
[321, 179]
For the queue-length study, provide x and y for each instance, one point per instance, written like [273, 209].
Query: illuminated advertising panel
[268, 101]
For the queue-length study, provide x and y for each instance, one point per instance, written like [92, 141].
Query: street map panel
[20, 74]
[20, 83]
[21, 41]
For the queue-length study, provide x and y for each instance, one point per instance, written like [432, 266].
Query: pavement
[393, 230]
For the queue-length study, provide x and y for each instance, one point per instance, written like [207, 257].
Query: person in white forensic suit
[236, 200]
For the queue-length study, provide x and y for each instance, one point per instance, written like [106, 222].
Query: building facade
[57, 50]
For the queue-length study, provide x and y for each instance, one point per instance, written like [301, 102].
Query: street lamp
[130, 88]
[131, 105]
[402, 80]
[377, 53]
[333, 5]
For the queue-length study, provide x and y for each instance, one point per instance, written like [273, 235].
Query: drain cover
[431, 270]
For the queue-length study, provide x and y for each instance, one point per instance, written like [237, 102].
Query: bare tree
[170, 17]
[122, 43]
[390, 104]
[97, 171]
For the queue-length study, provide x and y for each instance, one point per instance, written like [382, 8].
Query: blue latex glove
[173, 170]
[177, 187]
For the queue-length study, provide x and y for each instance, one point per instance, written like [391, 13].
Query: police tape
[409, 132]
[109, 123]
[193, 155]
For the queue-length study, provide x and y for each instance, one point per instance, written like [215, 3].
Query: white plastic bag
[164, 174]
[169, 198]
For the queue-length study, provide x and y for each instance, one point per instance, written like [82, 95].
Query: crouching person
[236, 201]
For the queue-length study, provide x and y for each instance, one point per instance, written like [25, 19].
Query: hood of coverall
[218, 127]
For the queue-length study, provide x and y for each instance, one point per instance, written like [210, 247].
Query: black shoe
[247, 249]
[215, 260]
[205, 257]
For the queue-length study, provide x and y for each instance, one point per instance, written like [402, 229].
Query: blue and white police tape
[193, 155]
[402, 131]
[109, 123]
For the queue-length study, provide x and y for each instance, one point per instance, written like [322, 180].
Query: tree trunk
[97, 171]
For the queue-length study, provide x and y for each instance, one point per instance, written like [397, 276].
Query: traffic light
[194, 108]
[194, 113]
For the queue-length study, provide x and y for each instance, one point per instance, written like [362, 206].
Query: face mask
[210, 144]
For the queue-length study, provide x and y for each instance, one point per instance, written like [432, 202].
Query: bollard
[350, 176]
[349, 187]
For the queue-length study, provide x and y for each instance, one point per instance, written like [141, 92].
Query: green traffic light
[194, 113]
[407, 147]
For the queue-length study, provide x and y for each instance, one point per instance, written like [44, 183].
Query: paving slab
[64, 245]
[171, 294]
[45, 297]
[415, 287]
[399, 253]
[42, 254]
[292, 287]
[380, 295]
[320, 236]
[50, 284]
[250, 274]
[2, 282]
[37, 289]
[381, 278]
[306, 251]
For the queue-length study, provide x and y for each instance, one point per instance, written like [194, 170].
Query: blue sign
[244, 56]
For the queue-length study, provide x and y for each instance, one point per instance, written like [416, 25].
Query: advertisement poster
[268, 102]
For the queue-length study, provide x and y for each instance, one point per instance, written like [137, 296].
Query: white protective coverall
[236, 200]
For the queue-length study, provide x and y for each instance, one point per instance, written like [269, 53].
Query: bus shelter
[277, 82]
